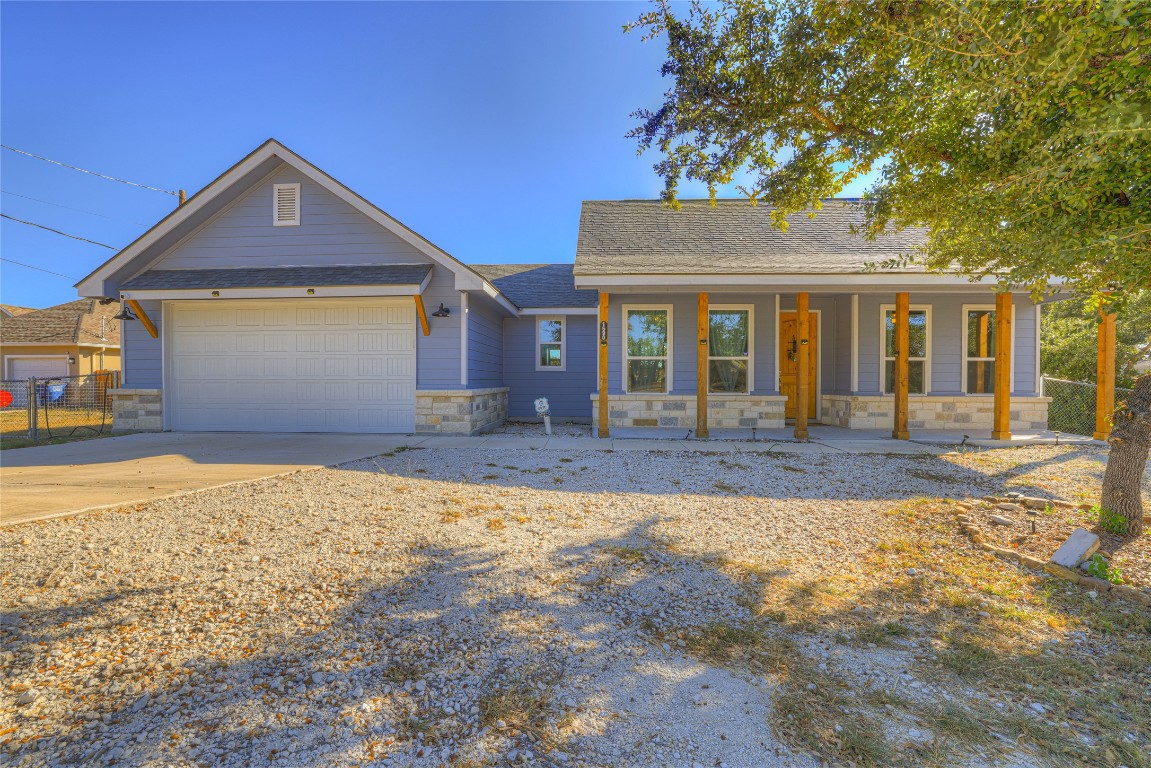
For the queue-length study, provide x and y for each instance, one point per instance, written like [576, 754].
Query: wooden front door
[788, 348]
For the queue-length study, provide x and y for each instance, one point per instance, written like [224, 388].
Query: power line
[65, 234]
[22, 264]
[70, 208]
[85, 170]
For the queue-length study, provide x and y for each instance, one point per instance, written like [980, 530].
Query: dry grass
[986, 631]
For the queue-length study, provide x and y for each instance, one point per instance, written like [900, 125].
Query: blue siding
[568, 391]
[330, 232]
[947, 339]
[438, 354]
[684, 343]
[142, 360]
[485, 344]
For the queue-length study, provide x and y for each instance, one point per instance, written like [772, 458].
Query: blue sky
[480, 125]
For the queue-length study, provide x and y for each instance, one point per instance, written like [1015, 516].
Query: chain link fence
[1072, 407]
[58, 407]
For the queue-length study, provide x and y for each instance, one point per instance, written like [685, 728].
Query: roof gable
[219, 195]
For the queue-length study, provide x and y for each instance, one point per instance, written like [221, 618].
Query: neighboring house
[71, 339]
[276, 299]
[11, 310]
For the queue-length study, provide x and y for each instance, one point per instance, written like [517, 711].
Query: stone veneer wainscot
[932, 412]
[460, 411]
[723, 411]
[137, 410]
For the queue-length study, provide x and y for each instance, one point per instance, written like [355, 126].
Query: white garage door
[283, 366]
[21, 368]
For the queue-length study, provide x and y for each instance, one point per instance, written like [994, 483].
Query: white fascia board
[846, 283]
[93, 284]
[560, 311]
[498, 297]
[319, 292]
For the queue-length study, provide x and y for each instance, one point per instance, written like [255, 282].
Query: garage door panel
[399, 367]
[309, 316]
[343, 366]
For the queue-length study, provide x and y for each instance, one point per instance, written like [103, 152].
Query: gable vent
[286, 205]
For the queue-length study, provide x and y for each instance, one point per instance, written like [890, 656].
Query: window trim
[276, 222]
[963, 369]
[750, 309]
[625, 357]
[883, 358]
[562, 320]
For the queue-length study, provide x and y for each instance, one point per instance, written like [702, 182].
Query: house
[276, 299]
[11, 310]
[72, 339]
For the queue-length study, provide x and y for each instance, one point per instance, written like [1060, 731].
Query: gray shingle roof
[273, 277]
[734, 237]
[77, 322]
[537, 285]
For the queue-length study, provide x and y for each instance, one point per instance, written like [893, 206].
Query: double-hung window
[550, 352]
[647, 349]
[729, 350]
[919, 357]
[979, 350]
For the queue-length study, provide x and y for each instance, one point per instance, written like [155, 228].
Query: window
[285, 205]
[979, 350]
[729, 350]
[550, 344]
[919, 366]
[647, 342]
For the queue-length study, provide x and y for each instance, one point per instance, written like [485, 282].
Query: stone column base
[1028, 413]
[723, 411]
[137, 410]
[460, 411]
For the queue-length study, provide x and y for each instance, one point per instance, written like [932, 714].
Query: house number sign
[603, 332]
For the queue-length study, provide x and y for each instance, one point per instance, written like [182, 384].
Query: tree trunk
[1130, 441]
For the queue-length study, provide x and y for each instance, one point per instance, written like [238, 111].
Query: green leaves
[1018, 133]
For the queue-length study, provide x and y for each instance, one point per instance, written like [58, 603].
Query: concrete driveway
[55, 480]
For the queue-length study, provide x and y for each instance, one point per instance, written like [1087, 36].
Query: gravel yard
[474, 607]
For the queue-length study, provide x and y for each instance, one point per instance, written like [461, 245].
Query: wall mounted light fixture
[442, 311]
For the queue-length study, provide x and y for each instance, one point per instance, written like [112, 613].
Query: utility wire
[70, 208]
[85, 170]
[22, 264]
[65, 234]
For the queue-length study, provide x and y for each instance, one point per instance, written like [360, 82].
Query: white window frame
[963, 326]
[625, 357]
[563, 321]
[750, 309]
[295, 222]
[883, 358]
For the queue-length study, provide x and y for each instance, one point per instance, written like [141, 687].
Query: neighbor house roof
[11, 310]
[619, 237]
[77, 322]
[271, 277]
[537, 285]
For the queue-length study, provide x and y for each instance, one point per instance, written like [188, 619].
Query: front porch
[709, 363]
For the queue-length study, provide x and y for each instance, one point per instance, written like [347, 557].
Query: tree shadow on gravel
[337, 684]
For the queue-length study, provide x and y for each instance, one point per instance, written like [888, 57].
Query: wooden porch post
[1001, 407]
[902, 364]
[701, 377]
[603, 405]
[802, 361]
[1104, 374]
